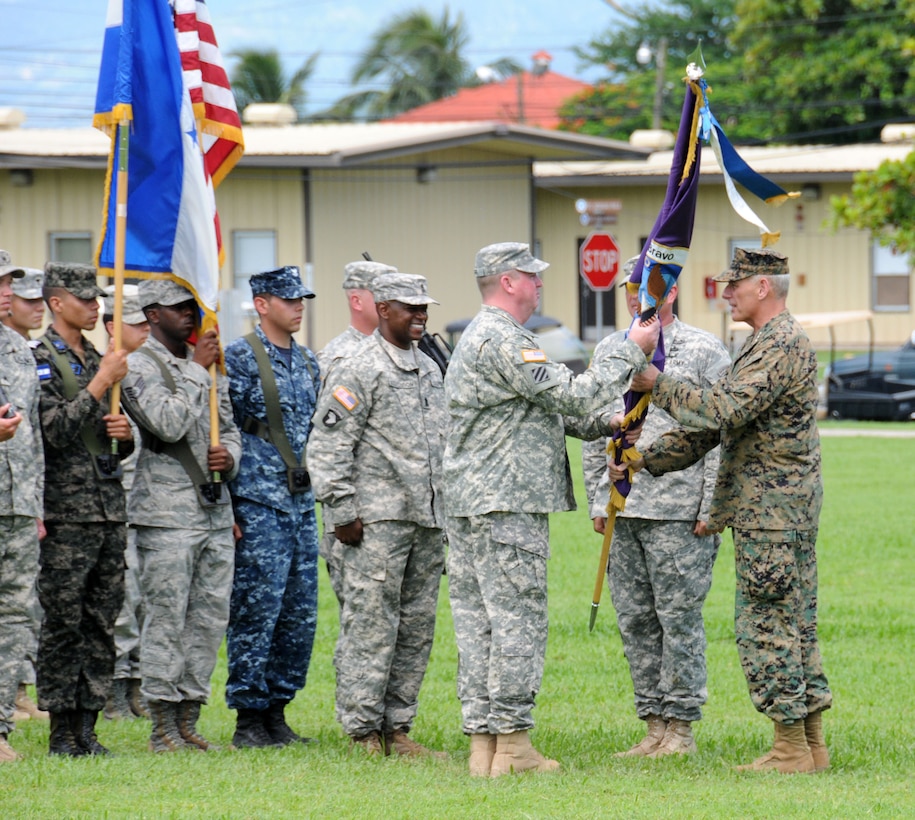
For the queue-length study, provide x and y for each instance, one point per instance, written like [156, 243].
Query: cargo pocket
[766, 566]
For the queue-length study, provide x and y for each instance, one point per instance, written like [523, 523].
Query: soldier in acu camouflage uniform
[184, 540]
[363, 319]
[22, 483]
[661, 556]
[506, 468]
[375, 459]
[81, 580]
[769, 491]
[274, 609]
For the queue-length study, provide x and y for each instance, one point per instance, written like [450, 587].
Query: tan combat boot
[813, 731]
[164, 736]
[790, 753]
[187, 715]
[7, 752]
[514, 753]
[482, 750]
[678, 740]
[399, 742]
[657, 728]
[371, 744]
[26, 707]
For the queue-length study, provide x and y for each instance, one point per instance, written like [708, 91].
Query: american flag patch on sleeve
[347, 399]
[533, 356]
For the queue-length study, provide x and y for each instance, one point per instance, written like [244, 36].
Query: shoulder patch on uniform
[542, 376]
[533, 356]
[44, 371]
[346, 398]
[77, 368]
[135, 390]
[332, 417]
[59, 344]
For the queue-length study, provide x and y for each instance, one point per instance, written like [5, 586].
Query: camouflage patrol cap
[758, 262]
[133, 313]
[7, 268]
[360, 275]
[29, 286]
[285, 282]
[506, 256]
[163, 292]
[628, 270]
[77, 278]
[402, 287]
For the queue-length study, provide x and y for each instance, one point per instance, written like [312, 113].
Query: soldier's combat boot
[83, 727]
[250, 732]
[678, 740]
[27, 707]
[514, 754]
[7, 752]
[165, 736]
[813, 731]
[371, 744]
[399, 742]
[482, 751]
[135, 698]
[116, 706]
[790, 753]
[188, 713]
[61, 740]
[274, 720]
[657, 728]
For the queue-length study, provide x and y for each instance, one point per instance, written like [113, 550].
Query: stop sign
[599, 260]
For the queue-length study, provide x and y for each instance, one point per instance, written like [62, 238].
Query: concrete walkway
[856, 432]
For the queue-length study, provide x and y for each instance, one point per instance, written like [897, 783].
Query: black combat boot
[250, 732]
[276, 726]
[62, 741]
[82, 723]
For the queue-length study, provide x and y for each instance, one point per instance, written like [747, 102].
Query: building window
[891, 279]
[71, 246]
[252, 252]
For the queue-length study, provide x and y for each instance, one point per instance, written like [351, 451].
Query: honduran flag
[171, 208]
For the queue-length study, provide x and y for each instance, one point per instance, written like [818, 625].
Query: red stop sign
[599, 260]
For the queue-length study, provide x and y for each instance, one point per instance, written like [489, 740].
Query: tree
[258, 77]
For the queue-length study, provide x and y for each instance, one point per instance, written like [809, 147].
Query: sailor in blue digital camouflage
[273, 384]
[81, 575]
[505, 469]
[21, 504]
[363, 319]
[769, 491]
[661, 556]
[182, 516]
[124, 700]
[375, 457]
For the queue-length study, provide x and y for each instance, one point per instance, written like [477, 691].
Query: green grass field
[584, 713]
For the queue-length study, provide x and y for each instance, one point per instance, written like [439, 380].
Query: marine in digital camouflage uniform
[661, 556]
[769, 491]
[21, 503]
[81, 576]
[274, 609]
[186, 549]
[357, 282]
[505, 469]
[375, 458]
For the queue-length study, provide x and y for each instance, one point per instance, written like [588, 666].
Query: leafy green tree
[258, 77]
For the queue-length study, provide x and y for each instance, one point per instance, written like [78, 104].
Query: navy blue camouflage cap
[29, 286]
[285, 282]
[506, 256]
[360, 275]
[79, 279]
[758, 262]
[408, 288]
[162, 292]
[7, 268]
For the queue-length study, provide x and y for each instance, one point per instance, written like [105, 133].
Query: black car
[877, 385]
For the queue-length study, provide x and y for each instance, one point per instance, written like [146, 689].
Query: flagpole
[602, 565]
[120, 252]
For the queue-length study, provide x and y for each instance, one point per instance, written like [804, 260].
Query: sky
[50, 49]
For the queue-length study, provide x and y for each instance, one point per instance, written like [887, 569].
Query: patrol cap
[284, 282]
[360, 275]
[402, 287]
[133, 313]
[758, 262]
[505, 256]
[29, 286]
[7, 268]
[628, 270]
[162, 292]
[77, 278]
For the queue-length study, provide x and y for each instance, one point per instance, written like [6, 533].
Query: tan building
[425, 197]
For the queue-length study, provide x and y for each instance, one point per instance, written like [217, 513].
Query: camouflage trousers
[130, 619]
[497, 581]
[274, 606]
[331, 550]
[776, 622]
[81, 587]
[390, 590]
[27, 671]
[660, 574]
[18, 568]
[186, 580]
